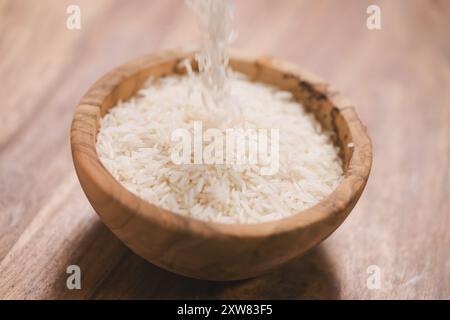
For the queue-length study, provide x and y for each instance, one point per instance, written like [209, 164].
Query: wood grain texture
[206, 250]
[398, 79]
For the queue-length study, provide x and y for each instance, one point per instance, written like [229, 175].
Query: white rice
[134, 144]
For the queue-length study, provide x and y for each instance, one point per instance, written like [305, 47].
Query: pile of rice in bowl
[137, 145]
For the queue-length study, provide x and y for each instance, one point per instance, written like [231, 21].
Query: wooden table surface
[397, 77]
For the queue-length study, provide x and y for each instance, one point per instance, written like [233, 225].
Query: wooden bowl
[207, 250]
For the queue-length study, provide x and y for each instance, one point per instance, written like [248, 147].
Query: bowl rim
[333, 206]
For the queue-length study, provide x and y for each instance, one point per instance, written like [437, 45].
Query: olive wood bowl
[207, 250]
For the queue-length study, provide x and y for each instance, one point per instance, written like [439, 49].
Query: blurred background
[398, 79]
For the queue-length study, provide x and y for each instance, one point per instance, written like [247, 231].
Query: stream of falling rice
[214, 19]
